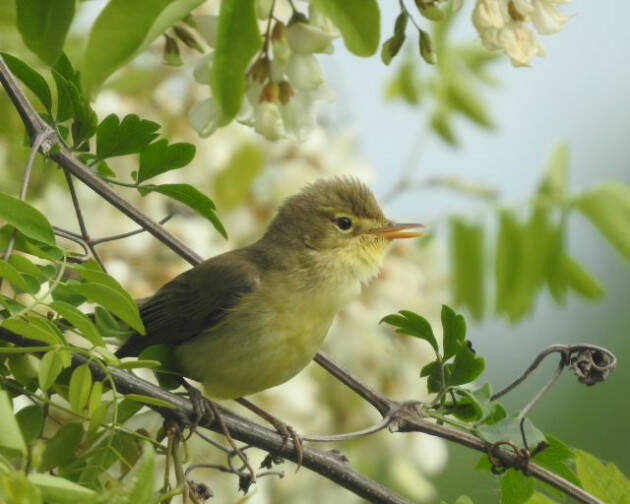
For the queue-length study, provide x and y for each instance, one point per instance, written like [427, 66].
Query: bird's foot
[202, 410]
[287, 432]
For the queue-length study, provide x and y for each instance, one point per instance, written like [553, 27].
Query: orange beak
[396, 230]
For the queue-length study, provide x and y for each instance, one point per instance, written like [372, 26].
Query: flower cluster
[503, 24]
[284, 83]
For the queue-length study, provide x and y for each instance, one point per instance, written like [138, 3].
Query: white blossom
[304, 72]
[268, 121]
[207, 28]
[506, 25]
[204, 117]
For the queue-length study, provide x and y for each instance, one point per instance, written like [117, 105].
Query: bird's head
[337, 223]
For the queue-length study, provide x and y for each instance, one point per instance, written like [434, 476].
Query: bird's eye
[343, 223]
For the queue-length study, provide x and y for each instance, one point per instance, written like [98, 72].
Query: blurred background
[575, 94]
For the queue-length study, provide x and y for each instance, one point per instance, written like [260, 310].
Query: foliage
[260, 69]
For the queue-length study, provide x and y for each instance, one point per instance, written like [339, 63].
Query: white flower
[204, 117]
[268, 121]
[304, 72]
[300, 113]
[312, 36]
[547, 18]
[207, 28]
[201, 73]
[504, 24]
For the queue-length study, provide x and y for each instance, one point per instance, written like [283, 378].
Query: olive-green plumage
[252, 318]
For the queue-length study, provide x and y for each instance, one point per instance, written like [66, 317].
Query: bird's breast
[263, 341]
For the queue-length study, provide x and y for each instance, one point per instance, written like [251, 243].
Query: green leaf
[238, 40]
[13, 276]
[414, 325]
[10, 434]
[233, 183]
[454, 331]
[31, 79]
[580, 280]
[63, 68]
[405, 84]
[116, 138]
[426, 47]
[107, 325]
[24, 265]
[468, 408]
[556, 457]
[434, 377]
[49, 368]
[190, 196]
[555, 181]
[23, 244]
[26, 219]
[516, 488]
[441, 124]
[80, 387]
[462, 98]
[153, 401]
[60, 490]
[159, 157]
[392, 45]
[467, 263]
[30, 330]
[515, 268]
[31, 421]
[72, 102]
[95, 397]
[79, 320]
[123, 29]
[61, 447]
[509, 429]
[604, 481]
[539, 498]
[466, 367]
[141, 490]
[113, 301]
[357, 20]
[44, 24]
[167, 374]
[607, 206]
[140, 363]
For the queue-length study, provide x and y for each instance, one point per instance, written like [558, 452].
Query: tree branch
[324, 463]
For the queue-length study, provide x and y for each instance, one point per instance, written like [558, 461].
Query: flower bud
[286, 91]
[260, 69]
[171, 52]
[279, 31]
[187, 38]
[270, 93]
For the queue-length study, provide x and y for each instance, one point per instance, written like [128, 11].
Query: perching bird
[252, 318]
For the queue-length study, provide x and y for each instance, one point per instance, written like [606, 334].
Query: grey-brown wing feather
[193, 301]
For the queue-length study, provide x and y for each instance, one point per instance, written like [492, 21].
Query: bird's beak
[398, 230]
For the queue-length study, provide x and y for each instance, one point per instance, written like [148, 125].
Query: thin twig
[82, 226]
[98, 241]
[43, 140]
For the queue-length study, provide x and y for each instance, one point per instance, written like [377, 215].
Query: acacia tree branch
[406, 418]
[322, 462]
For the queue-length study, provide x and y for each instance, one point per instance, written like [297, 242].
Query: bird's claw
[289, 433]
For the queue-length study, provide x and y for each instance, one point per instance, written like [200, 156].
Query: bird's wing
[193, 301]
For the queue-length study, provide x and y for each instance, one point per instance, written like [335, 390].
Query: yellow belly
[265, 341]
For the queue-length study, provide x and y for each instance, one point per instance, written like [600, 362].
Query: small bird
[252, 318]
